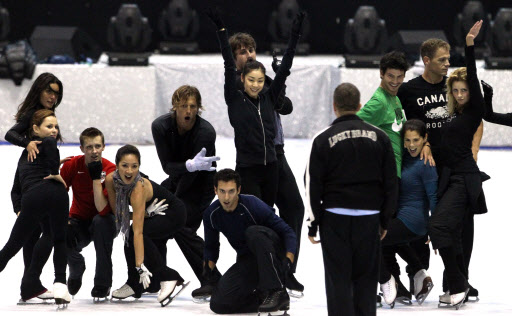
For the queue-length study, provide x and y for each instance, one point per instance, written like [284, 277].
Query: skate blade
[100, 300]
[61, 307]
[201, 299]
[420, 298]
[444, 305]
[170, 298]
[284, 313]
[472, 299]
[295, 294]
[126, 300]
[404, 300]
[34, 302]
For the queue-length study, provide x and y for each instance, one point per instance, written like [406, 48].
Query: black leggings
[47, 200]
[260, 181]
[157, 227]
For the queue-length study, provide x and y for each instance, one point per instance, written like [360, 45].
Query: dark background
[327, 17]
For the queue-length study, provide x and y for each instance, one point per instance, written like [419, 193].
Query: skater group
[368, 197]
[397, 175]
[112, 199]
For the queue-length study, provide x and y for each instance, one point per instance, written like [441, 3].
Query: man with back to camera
[351, 194]
[265, 247]
[424, 98]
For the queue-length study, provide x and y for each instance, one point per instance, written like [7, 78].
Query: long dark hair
[32, 99]
[127, 150]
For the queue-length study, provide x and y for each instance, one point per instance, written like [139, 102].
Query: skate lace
[272, 297]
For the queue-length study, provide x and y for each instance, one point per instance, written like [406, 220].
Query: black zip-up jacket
[16, 135]
[253, 123]
[32, 174]
[352, 166]
[174, 150]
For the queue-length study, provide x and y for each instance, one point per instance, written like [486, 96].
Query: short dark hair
[227, 175]
[127, 150]
[346, 97]
[429, 47]
[237, 40]
[182, 94]
[91, 132]
[415, 126]
[253, 65]
[393, 60]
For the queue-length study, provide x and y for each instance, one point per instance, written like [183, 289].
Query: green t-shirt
[385, 111]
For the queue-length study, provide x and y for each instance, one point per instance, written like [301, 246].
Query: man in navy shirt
[265, 247]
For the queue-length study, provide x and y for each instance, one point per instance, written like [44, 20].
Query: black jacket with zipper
[253, 122]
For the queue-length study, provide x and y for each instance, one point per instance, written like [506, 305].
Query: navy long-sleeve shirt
[418, 194]
[250, 211]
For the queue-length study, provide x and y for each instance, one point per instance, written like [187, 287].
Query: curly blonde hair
[459, 74]
[181, 95]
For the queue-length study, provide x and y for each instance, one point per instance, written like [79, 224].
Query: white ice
[490, 270]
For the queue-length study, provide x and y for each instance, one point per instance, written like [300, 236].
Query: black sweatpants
[260, 181]
[446, 226]
[49, 199]
[260, 270]
[159, 227]
[289, 202]
[397, 239]
[101, 230]
[190, 244]
[350, 246]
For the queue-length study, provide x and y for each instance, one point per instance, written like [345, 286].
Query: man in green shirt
[384, 109]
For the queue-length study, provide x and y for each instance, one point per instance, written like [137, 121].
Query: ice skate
[276, 301]
[457, 300]
[403, 296]
[45, 298]
[100, 293]
[444, 300]
[165, 296]
[389, 290]
[61, 295]
[472, 296]
[124, 292]
[379, 301]
[422, 285]
[74, 285]
[202, 295]
[295, 289]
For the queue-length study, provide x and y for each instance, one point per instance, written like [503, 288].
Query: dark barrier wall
[327, 17]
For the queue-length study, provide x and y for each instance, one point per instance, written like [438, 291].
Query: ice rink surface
[490, 270]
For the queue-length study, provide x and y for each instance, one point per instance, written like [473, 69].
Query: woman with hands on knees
[251, 112]
[126, 187]
[44, 201]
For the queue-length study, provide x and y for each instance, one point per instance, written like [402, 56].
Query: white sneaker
[48, 295]
[445, 298]
[389, 291]
[61, 294]
[166, 289]
[123, 292]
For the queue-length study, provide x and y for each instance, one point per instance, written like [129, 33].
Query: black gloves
[95, 169]
[487, 89]
[275, 62]
[73, 233]
[298, 22]
[213, 14]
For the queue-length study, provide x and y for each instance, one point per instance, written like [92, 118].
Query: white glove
[144, 275]
[200, 162]
[156, 208]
